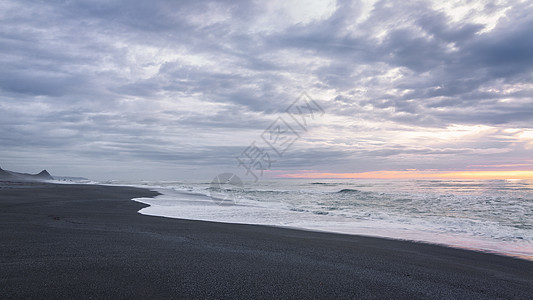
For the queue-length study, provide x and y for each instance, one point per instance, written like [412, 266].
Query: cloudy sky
[176, 90]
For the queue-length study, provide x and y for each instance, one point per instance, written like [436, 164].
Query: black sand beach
[87, 241]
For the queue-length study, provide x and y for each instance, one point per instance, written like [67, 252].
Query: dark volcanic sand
[86, 241]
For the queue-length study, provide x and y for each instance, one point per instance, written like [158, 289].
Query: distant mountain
[43, 175]
[6, 175]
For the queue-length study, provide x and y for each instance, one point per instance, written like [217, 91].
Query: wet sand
[88, 241]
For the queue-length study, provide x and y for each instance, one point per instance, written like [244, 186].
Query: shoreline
[442, 239]
[71, 240]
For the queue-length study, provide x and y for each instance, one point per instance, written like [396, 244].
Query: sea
[485, 215]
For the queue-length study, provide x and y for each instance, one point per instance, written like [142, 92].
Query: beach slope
[88, 241]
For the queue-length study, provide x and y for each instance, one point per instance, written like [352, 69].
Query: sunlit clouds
[178, 89]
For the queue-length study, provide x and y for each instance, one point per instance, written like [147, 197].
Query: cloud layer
[176, 89]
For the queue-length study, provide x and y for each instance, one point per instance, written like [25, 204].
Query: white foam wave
[410, 217]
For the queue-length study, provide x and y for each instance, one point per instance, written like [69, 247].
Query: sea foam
[493, 216]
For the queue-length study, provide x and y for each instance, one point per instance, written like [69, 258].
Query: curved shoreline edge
[463, 242]
[71, 240]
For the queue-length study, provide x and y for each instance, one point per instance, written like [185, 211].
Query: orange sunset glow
[418, 175]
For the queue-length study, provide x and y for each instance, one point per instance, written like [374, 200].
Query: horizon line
[414, 174]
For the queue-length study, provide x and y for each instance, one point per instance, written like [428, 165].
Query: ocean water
[484, 215]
